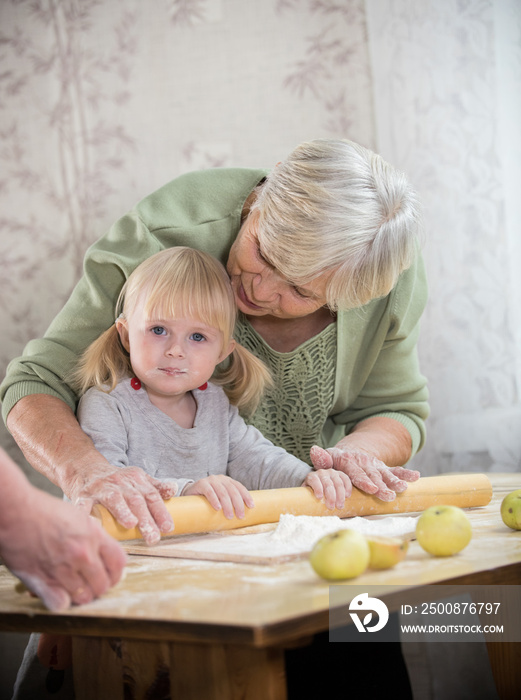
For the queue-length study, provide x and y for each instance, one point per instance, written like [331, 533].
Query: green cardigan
[377, 366]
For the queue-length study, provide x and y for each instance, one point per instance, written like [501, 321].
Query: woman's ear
[122, 329]
[227, 351]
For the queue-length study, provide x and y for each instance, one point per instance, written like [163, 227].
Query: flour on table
[296, 534]
[302, 531]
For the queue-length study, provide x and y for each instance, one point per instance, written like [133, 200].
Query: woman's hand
[60, 553]
[364, 455]
[364, 471]
[224, 493]
[331, 485]
[130, 494]
[53, 443]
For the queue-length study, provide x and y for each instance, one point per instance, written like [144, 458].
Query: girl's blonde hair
[178, 283]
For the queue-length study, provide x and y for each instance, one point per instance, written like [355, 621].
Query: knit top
[294, 410]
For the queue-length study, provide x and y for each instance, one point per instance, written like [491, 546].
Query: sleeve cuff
[182, 483]
[22, 389]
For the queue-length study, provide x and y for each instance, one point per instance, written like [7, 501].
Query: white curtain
[447, 95]
[102, 101]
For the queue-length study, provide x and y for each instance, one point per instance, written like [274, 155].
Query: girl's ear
[122, 329]
[227, 351]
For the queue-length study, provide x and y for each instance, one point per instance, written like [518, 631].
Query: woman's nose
[267, 284]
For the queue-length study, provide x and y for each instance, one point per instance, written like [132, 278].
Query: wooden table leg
[138, 670]
[97, 668]
[146, 669]
[505, 661]
[227, 672]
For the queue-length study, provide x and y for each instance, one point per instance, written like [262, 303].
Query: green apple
[443, 530]
[386, 552]
[340, 555]
[511, 510]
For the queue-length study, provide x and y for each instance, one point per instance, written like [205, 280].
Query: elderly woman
[322, 254]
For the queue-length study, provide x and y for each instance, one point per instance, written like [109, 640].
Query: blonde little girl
[164, 385]
[162, 389]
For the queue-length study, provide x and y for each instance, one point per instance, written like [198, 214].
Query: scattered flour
[296, 534]
[302, 531]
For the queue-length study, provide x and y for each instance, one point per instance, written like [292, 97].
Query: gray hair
[334, 206]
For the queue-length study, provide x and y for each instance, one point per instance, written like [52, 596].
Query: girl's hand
[365, 471]
[331, 485]
[224, 493]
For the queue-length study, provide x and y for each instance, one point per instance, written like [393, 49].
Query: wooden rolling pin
[192, 514]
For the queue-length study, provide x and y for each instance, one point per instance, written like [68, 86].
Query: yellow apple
[340, 555]
[386, 552]
[443, 530]
[511, 510]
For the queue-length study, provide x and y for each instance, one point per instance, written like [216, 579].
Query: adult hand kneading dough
[58, 551]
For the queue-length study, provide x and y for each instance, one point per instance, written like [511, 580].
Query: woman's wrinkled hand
[61, 554]
[331, 485]
[224, 493]
[364, 470]
[131, 495]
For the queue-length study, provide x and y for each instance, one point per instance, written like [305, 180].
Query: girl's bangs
[172, 299]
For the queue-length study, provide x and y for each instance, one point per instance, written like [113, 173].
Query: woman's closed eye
[262, 258]
[303, 294]
[306, 294]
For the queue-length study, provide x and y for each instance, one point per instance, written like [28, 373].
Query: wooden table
[218, 630]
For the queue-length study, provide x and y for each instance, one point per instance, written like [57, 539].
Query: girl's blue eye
[197, 337]
[158, 330]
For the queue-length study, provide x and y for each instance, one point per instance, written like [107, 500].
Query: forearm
[384, 438]
[54, 444]
[15, 488]
[52, 441]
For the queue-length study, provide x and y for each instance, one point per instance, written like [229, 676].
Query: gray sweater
[128, 430]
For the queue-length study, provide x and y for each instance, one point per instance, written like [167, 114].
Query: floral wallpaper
[103, 101]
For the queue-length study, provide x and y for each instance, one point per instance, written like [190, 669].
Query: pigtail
[103, 364]
[244, 379]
